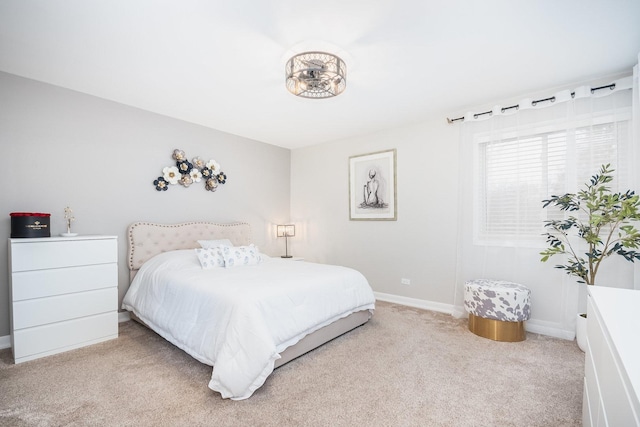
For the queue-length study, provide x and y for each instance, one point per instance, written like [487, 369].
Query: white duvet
[239, 319]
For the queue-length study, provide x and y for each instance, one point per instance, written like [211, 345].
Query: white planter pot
[581, 331]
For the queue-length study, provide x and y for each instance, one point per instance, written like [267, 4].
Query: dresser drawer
[33, 343]
[59, 281]
[587, 415]
[591, 388]
[39, 311]
[61, 253]
[595, 337]
[616, 399]
[611, 364]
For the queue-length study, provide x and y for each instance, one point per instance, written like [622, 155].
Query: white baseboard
[123, 316]
[532, 325]
[414, 302]
[552, 330]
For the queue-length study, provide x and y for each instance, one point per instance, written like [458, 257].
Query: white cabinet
[612, 364]
[64, 294]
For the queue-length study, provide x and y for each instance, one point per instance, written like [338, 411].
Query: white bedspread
[239, 319]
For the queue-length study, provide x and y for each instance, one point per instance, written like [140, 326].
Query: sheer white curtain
[513, 159]
[635, 119]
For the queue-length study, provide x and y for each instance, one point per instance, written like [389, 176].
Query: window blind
[515, 174]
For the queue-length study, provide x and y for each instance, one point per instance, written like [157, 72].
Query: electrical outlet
[405, 281]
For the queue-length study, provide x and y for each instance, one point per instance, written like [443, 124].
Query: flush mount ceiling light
[316, 75]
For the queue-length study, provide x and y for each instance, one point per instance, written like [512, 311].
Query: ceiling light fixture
[316, 75]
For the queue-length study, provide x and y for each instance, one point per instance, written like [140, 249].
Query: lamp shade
[288, 230]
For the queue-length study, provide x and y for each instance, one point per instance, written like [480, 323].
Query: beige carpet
[406, 367]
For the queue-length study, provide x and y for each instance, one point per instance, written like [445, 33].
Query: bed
[244, 320]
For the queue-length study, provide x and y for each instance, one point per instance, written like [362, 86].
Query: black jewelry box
[30, 224]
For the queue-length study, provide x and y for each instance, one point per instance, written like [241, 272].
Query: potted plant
[605, 228]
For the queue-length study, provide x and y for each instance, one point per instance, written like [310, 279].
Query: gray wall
[61, 147]
[420, 245]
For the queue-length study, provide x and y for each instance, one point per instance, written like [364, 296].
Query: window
[515, 173]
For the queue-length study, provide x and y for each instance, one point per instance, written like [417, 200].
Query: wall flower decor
[187, 172]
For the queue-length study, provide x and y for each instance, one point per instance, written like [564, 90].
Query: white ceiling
[221, 63]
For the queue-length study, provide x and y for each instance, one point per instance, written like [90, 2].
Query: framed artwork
[372, 186]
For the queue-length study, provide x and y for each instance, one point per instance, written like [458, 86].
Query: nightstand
[63, 292]
[295, 258]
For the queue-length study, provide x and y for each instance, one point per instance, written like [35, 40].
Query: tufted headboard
[147, 239]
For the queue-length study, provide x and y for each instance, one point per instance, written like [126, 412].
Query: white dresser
[64, 293]
[612, 365]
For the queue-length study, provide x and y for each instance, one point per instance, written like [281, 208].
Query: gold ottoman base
[497, 330]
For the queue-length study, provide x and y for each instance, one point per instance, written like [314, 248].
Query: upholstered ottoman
[497, 309]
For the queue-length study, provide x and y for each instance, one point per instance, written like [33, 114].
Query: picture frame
[372, 186]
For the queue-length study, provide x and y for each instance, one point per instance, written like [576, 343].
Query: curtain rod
[612, 86]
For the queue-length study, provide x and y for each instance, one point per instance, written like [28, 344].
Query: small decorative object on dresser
[68, 217]
[63, 293]
[30, 224]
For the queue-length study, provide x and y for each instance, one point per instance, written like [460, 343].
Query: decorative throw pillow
[214, 243]
[210, 257]
[236, 256]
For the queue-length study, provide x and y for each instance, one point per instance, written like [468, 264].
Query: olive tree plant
[607, 228]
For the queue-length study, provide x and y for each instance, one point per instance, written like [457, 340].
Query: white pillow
[210, 257]
[236, 256]
[214, 243]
